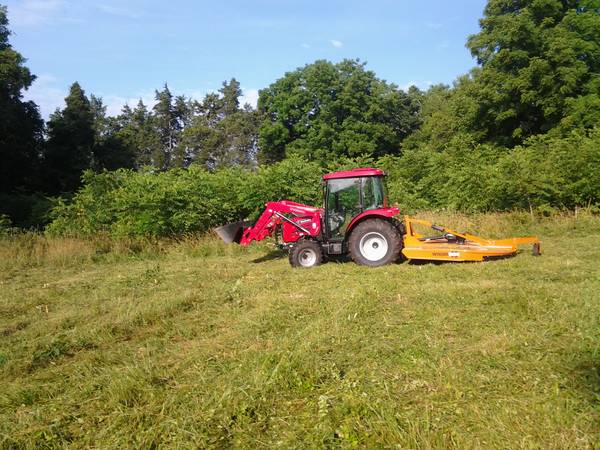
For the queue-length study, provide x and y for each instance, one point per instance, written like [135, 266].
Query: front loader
[356, 220]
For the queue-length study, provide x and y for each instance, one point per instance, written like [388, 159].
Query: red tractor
[357, 220]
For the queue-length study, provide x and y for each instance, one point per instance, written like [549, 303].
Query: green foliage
[168, 120]
[5, 224]
[109, 152]
[28, 211]
[222, 134]
[324, 111]
[146, 203]
[21, 126]
[293, 179]
[71, 138]
[518, 131]
[536, 55]
[135, 131]
[178, 201]
[545, 172]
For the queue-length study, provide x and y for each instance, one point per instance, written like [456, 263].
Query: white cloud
[304, 45]
[249, 96]
[114, 103]
[38, 12]
[434, 25]
[46, 93]
[118, 11]
[442, 45]
[337, 44]
[423, 85]
[49, 93]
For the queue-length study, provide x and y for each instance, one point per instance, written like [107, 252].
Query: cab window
[343, 204]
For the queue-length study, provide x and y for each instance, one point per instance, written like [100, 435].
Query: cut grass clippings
[192, 343]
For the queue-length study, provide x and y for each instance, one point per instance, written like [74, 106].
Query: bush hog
[357, 220]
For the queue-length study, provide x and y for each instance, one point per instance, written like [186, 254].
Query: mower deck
[453, 246]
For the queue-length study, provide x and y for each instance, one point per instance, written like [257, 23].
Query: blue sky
[124, 50]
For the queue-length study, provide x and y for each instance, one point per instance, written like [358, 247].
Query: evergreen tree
[170, 116]
[71, 138]
[222, 134]
[230, 97]
[21, 127]
[136, 132]
[110, 151]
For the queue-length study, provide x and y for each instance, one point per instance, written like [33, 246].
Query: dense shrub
[545, 172]
[5, 223]
[174, 202]
[27, 210]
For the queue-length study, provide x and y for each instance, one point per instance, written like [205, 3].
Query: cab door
[342, 204]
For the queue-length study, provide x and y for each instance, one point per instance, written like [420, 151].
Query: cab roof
[360, 172]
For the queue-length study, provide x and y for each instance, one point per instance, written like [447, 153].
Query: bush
[29, 211]
[546, 173]
[175, 202]
[5, 224]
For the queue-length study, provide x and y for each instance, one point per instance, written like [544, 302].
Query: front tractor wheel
[306, 254]
[374, 243]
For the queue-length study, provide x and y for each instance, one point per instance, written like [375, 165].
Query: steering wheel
[336, 219]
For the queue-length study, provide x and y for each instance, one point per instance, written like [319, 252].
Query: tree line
[505, 135]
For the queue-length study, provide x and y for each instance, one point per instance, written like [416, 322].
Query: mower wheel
[306, 254]
[374, 243]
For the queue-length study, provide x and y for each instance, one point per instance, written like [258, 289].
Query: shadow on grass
[342, 259]
[588, 379]
[273, 254]
[427, 262]
[487, 259]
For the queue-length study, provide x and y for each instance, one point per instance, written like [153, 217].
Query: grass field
[197, 344]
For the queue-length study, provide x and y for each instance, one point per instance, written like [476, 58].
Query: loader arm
[277, 212]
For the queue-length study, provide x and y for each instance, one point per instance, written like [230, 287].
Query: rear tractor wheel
[374, 243]
[306, 254]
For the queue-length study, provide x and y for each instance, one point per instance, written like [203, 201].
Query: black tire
[306, 254]
[374, 243]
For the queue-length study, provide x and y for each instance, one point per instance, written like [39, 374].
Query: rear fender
[380, 213]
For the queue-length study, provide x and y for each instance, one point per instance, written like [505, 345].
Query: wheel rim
[373, 246]
[307, 257]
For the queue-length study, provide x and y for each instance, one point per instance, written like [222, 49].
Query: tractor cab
[347, 195]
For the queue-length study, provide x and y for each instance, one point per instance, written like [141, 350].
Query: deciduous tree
[536, 56]
[323, 111]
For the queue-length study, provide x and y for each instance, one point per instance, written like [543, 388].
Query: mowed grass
[195, 344]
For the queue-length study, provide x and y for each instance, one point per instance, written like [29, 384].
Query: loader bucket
[232, 232]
